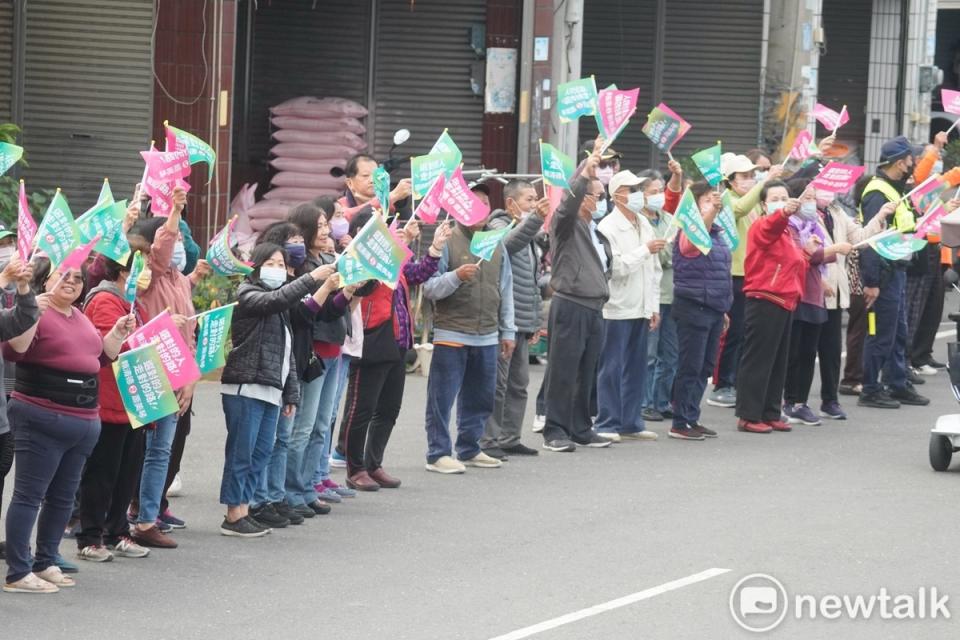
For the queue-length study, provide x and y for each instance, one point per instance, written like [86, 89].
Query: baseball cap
[482, 187]
[897, 149]
[731, 163]
[623, 179]
[4, 232]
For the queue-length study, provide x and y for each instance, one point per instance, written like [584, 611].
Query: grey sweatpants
[510, 402]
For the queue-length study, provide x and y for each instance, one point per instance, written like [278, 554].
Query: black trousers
[829, 350]
[6, 460]
[801, 363]
[763, 360]
[374, 395]
[576, 337]
[856, 333]
[921, 351]
[733, 340]
[107, 484]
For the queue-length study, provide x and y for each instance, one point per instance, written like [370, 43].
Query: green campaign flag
[212, 341]
[106, 220]
[197, 149]
[58, 234]
[556, 167]
[708, 161]
[381, 188]
[447, 147]
[727, 221]
[106, 195]
[374, 254]
[220, 255]
[130, 287]
[689, 218]
[577, 98]
[144, 387]
[484, 243]
[425, 169]
[896, 246]
[10, 155]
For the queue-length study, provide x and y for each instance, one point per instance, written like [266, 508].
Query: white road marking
[633, 598]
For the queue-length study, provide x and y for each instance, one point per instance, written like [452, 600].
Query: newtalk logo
[759, 603]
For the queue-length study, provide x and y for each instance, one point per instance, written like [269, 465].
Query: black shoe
[913, 377]
[909, 396]
[319, 507]
[652, 415]
[284, 511]
[267, 517]
[877, 400]
[594, 442]
[520, 450]
[242, 528]
[936, 364]
[850, 389]
[495, 452]
[560, 445]
[702, 430]
[3, 550]
[304, 511]
[667, 414]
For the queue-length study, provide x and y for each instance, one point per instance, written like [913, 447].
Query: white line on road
[646, 594]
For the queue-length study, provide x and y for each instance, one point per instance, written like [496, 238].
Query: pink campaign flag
[167, 166]
[931, 221]
[78, 256]
[161, 195]
[837, 177]
[555, 195]
[614, 109]
[803, 146]
[26, 227]
[927, 193]
[951, 100]
[179, 363]
[829, 118]
[461, 203]
[429, 207]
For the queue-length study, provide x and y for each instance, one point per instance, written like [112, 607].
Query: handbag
[314, 370]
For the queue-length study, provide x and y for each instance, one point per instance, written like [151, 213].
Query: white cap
[731, 163]
[623, 179]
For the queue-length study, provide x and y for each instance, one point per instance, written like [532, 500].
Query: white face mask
[635, 201]
[808, 210]
[6, 253]
[604, 175]
[656, 201]
[273, 277]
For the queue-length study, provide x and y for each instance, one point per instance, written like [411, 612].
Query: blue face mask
[179, 259]
[273, 277]
[774, 207]
[601, 209]
[808, 210]
[296, 252]
[635, 201]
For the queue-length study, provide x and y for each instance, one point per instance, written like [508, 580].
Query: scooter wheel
[941, 450]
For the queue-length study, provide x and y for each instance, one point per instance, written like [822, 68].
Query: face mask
[774, 207]
[808, 210]
[656, 201]
[825, 199]
[339, 228]
[604, 175]
[273, 277]
[938, 166]
[760, 176]
[635, 201]
[296, 253]
[179, 259]
[6, 253]
[601, 209]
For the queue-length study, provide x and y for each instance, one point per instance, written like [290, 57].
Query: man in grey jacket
[501, 435]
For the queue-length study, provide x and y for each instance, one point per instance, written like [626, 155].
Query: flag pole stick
[885, 234]
[197, 315]
[953, 126]
[843, 110]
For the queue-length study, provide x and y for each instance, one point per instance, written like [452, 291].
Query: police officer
[884, 284]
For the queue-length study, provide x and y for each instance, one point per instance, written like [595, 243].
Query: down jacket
[523, 262]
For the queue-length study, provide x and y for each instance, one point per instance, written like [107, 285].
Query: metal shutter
[619, 48]
[88, 95]
[422, 76]
[299, 50]
[6, 61]
[844, 68]
[711, 71]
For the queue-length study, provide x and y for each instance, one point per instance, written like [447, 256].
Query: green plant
[9, 191]
[214, 291]
[951, 154]
[9, 132]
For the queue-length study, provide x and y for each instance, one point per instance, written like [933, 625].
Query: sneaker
[95, 553]
[753, 427]
[913, 377]
[667, 414]
[879, 400]
[30, 583]
[304, 511]
[726, 398]
[176, 487]
[343, 492]
[561, 445]
[612, 436]
[595, 441]
[65, 565]
[685, 433]
[168, 518]
[851, 389]
[329, 495]
[284, 510]
[926, 370]
[832, 410]
[242, 528]
[936, 364]
[520, 449]
[495, 452]
[259, 525]
[267, 517]
[446, 465]
[779, 425]
[652, 415]
[539, 422]
[337, 461]
[909, 396]
[152, 537]
[702, 430]
[800, 413]
[483, 461]
[55, 576]
[320, 507]
[646, 434]
[127, 548]
[165, 527]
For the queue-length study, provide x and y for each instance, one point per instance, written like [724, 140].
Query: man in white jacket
[630, 313]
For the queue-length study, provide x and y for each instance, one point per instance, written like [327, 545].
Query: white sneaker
[95, 553]
[127, 548]
[609, 435]
[176, 487]
[446, 465]
[483, 461]
[646, 434]
[539, 422]
[926, 370]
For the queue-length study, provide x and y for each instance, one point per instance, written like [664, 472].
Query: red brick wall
[179, 46]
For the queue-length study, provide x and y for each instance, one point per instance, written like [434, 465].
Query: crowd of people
[637, 317]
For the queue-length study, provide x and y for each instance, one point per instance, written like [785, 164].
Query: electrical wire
[203, 53]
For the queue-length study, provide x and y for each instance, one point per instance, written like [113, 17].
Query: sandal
[54, 576]
[30, 583]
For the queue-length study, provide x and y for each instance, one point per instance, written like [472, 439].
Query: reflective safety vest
[903, 218]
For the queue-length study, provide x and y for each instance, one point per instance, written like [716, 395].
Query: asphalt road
[845, 509]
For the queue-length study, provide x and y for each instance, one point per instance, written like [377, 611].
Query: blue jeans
[885, 352]
[311, 429]
[251, 432]
[698, 336]
[661, 361]
[343, 371]
[622, 380]
[472, 370]
[51, 449]
[272, 487]
[156, 459]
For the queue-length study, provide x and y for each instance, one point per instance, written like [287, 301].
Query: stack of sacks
[313, 136]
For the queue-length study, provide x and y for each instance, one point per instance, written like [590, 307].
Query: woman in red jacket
[110, 475]
[774, 272]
